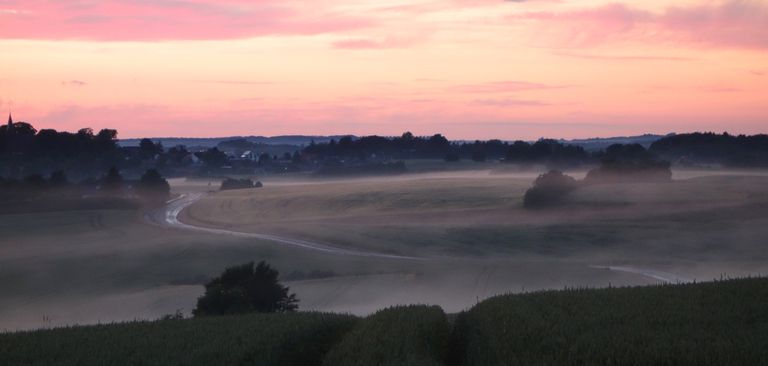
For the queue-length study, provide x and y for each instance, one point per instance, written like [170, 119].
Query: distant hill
[590, 144]
[192, 142]
[600, 143]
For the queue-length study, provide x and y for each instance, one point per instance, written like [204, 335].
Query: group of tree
[618, 163]
[244, 289]
[549, 190]
[629, 163]
[408, 146]
[80, 153]
[243, 183]
[711, 148]
[150, 188]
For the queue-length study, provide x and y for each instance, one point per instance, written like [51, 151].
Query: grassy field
[479, 214]
[714, 323]
[85, 267]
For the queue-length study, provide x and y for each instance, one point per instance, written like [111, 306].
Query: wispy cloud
[730, 24]
[74, 83]
[143, 20]
[503, 87]
[623, 57]
[234, 82]
[510, 103]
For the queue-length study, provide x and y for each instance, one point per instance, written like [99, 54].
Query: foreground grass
[260, 339]
[407, 335]
[719, 323]
[716, 323]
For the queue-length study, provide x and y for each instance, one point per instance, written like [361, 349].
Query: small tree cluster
[244, 289]
[549, 189]
[153, 187]
[245, 183]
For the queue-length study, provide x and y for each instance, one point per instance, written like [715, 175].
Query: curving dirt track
[169, 216]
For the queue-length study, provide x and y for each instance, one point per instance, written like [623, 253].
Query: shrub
[404, 335]
[549, 190]
[245, 183]
[152, 186]
[245, 289]
[617, 171]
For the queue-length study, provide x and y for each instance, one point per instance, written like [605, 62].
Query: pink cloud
[731, 24]
[366, 43]
[502, 87]
[144, 20]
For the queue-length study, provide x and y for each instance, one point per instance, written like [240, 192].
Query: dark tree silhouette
[244, 289]
[58, 179]
[148, 149]
[113, 181]
[152, 186]
[245, 183]
[629, 163]
[549, 190]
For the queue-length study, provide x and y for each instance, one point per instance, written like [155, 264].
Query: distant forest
[86, 154]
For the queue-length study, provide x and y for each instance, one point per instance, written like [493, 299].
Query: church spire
[10, 120]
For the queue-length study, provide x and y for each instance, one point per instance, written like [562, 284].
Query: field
[468, 229]
[719, 323]
[714, 323]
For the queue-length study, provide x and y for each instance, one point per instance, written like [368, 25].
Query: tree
[113, 181]
[149, 149]
[549, 190]
[245, 289]
[152, 186]
[58, 179]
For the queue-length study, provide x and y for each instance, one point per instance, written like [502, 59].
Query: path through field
[170, 217]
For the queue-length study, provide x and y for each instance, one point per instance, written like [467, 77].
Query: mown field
[480, 214]
[91, 266]
[714, 323]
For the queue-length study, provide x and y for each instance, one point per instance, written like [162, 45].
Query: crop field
[472, 238]
[716, 323]
[261, 339]
[712, 323]
[414, 335]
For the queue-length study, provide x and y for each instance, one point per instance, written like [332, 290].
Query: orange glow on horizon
[467, 69]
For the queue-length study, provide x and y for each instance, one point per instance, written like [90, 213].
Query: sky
[467, 69]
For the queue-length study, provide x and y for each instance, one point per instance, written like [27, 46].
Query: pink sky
[467, 69]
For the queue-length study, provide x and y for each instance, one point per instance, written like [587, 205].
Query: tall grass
[260, 339]
[719, 323]
[400, 336]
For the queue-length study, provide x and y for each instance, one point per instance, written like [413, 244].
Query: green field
[714, 323]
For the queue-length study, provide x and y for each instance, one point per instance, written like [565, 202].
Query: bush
[245, 289]
[616, 171]
[404, 335]
[549, 190]
[152, 186]
[245, 183]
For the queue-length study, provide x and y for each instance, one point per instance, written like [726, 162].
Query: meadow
[468, 229]
[712, 323]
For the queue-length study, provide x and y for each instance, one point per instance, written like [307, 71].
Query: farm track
[169, 216]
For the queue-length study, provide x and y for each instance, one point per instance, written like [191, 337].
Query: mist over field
[356, 245]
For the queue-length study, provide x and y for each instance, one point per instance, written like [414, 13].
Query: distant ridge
[590, 144]
[600, 143]
[208, 142]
